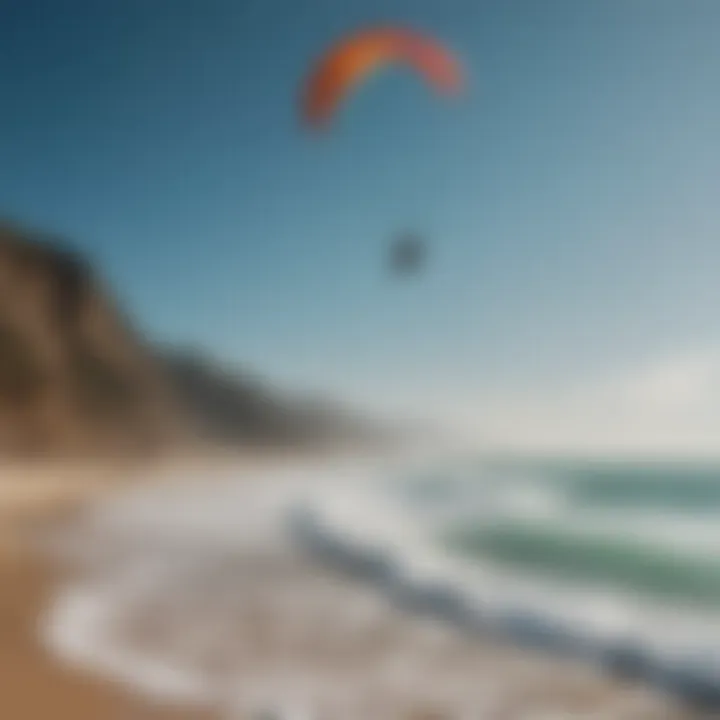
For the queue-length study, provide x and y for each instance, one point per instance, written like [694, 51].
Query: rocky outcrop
[75, 377]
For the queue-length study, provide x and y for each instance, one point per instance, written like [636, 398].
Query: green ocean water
[661, 560]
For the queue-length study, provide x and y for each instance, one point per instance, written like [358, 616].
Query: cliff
[76, 377]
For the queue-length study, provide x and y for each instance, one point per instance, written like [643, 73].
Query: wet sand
[36, 497]
[278, 631]
[34, 686]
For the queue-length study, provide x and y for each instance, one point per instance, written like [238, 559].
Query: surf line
[621, 657]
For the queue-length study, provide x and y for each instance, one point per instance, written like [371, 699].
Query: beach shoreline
[35, 684]
[36, 497]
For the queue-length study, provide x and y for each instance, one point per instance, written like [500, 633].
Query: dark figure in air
[407, 255]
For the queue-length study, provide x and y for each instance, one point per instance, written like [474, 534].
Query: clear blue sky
[571, 199]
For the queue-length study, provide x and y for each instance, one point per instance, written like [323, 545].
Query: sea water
[616, 561]
[610, 554]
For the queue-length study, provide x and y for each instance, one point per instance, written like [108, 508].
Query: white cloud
[670, 405]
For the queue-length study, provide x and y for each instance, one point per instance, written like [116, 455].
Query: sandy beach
[33, 685]
[269, 623]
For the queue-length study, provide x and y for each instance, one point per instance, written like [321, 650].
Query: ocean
[613, 562]
[602, 554]
[647, 531]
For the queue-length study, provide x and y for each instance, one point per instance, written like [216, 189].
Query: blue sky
[570, 198]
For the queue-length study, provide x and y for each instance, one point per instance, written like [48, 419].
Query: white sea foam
[601, 615]
[150, 537]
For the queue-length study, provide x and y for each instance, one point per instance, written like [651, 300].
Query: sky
[568, 200]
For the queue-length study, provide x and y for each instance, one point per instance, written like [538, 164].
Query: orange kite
[356, 56]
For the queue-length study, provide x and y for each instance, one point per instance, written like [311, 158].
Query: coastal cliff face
[77, 378]
[74, 375]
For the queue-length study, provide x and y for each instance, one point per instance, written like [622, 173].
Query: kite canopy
[352, 59]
